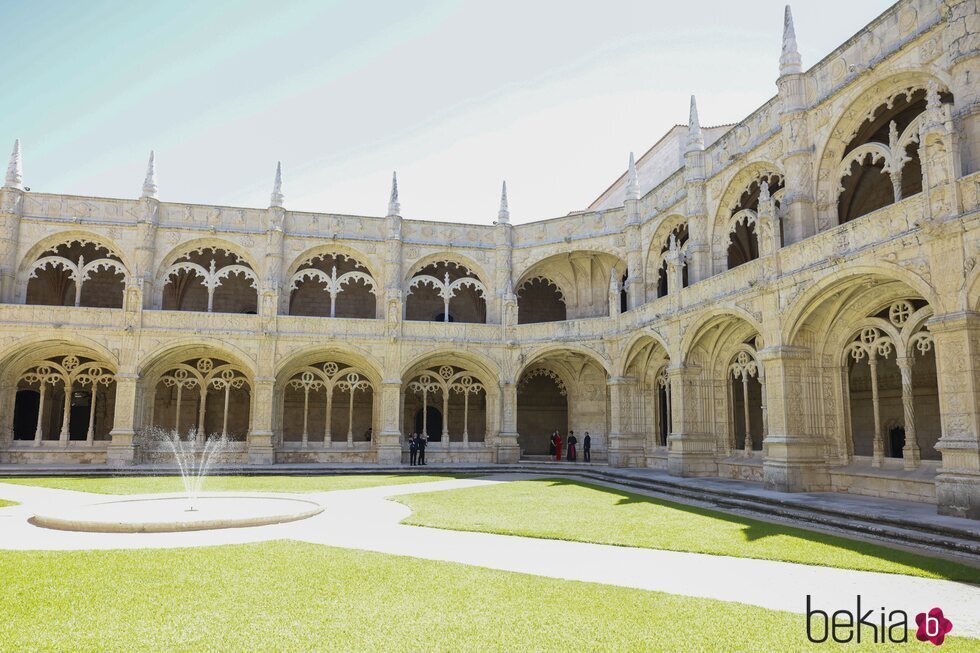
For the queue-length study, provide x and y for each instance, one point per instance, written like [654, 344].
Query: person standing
[557, 446]
[572, 441]
[413, 450]
[423, 440]
[587, 448]
[551, 444]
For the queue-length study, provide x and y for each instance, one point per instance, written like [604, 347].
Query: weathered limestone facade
[794, 299]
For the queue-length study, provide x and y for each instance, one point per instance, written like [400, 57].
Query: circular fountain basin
[167, 514]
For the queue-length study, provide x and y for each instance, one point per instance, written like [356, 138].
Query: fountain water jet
[194, 457]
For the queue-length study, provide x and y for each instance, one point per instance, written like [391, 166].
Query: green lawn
[291, 596]
[4, 503]
[150, 484]
[570, 510]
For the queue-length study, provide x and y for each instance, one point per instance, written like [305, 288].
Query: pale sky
[454, 95]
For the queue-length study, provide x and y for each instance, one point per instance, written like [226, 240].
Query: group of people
[416, 448]
[571, 446]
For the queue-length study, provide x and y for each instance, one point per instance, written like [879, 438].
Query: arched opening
[582, 281]
[64, 398]
[460, 398]
[563, 390]
[892, 387]
[743, 244]
[678, 237]
[206, 395]
[881, 164]
[26, 405]
[539, 300]
[446, 289]
[747, 402]
[210, 279]
[77, 273]
[332, 285]
[325, 403]
[542, 408]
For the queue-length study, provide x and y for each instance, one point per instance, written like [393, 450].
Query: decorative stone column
[625, 445]
[910, 452]
[795, 460]
[389, 440]
[635, 285]
[690, 450]
[957, 342]
[696, 205]
[508, 448]
[260, 446]
[121, 450]
[11, 209]
[799, 215]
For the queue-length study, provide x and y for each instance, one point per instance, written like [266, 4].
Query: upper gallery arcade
[793, 298]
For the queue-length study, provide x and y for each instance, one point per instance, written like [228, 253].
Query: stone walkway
[364, 519]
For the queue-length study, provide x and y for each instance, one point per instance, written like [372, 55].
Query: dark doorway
[25, 414]
[896, 441]
[433, 426]
[78, 417]
[442, 318]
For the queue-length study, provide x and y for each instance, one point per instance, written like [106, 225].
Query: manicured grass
[153, 484]
[570, 510]
[291, 596]
[4, 503]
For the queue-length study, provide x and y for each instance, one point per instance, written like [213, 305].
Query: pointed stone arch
[73, 268]
[861, 101]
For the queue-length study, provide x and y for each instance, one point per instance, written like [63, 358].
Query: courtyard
[448, 561]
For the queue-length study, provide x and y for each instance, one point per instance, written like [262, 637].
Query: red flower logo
[933, 626]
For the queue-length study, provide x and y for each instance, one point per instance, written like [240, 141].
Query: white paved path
[364, 519]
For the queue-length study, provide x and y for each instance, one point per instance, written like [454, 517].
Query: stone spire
[277, 198]
[15, 177]
[695, 140]
[394, 207]
[790, 62]
[503, 215]
[632, 181]
[150, 182]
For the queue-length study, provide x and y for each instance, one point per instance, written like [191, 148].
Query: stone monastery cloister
[792, 299]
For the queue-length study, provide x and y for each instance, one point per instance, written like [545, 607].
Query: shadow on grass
[754, 530]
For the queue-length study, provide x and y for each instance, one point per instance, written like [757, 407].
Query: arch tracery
[63, 374]
[77, 272]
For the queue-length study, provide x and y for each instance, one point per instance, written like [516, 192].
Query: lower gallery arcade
[866, 384]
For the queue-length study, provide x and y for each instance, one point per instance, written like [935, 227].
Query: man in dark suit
[423, 440]
[587, 448]
[413, 449]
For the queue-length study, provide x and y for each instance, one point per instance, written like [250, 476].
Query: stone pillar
[961, 41]
[11, 208]
[635, 283]
[508, 447]
[389, 440]
[957, 341]
[121, 450]
[910, 452]
[503, 280]
[269, 297]
[696, 204]
[799, 215]
[261, 450]
[690, 451]
[795, 460]
[625, 444]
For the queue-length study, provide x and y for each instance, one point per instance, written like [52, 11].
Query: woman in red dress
[557, 446]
